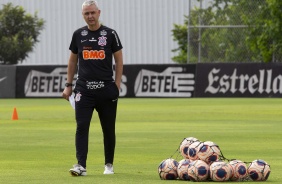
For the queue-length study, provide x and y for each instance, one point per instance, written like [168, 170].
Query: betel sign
[52, 84]
[172, 82]
[42, 84]
[262, 82]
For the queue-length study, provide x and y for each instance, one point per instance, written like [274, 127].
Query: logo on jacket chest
[102, 41]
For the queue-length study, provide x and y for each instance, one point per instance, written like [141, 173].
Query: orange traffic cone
[15, 114]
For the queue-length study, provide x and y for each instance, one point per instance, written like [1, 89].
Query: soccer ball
[239, 170]
[168, 169]
[209, 152]
[182, 169]
[185, 145]
[259, 170]
[220, 171]
[193, 150]
[198, 170]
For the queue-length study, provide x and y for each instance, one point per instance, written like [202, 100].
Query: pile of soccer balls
[204, 161]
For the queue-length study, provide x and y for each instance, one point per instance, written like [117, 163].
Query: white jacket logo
[172, 82]
[263, 82]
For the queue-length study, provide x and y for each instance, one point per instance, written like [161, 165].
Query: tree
[260, 41]
[180, 36]
[18, 33]
[266, 28]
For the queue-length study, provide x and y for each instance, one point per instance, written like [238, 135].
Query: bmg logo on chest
[93, 54]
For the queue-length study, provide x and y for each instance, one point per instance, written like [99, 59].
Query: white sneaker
[109, 169]
[78, 170]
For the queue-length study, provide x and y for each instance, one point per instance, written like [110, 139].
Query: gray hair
[90, 2]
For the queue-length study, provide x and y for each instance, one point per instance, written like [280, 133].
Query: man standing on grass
[92, 49]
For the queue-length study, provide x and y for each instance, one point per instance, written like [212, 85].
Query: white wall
[144, 27]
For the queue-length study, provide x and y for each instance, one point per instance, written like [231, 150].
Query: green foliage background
[260, 41]
[19, 32]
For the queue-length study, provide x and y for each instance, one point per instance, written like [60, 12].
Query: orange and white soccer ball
[209, 152]
[198, 170]
[184, 145]
[239, 170]
[193, 150]
[168, 169]
[220, 171]
[259, 170]
[182, 169]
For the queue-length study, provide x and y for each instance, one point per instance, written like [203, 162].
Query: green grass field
[39, 147]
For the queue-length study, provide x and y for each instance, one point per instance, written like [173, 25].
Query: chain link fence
[219, 33]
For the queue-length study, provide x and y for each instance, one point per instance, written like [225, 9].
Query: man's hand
[67, 92]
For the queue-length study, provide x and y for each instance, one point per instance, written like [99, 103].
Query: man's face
[91, 15]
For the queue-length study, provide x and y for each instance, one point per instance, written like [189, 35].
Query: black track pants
[105, 103]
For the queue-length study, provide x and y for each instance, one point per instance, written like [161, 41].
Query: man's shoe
[78, 170]
[109, 169]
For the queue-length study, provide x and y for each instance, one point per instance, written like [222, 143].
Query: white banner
[172, 82]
